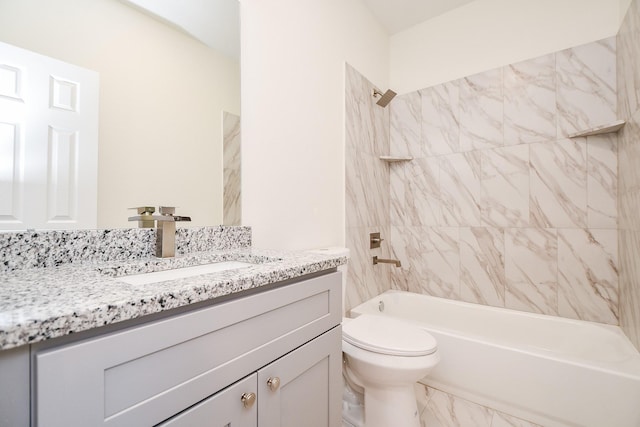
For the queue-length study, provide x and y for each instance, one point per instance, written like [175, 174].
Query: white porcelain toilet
[384, 358]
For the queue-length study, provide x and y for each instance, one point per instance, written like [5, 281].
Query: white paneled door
[48, 142]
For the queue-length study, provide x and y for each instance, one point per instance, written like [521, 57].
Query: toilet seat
[385, 335]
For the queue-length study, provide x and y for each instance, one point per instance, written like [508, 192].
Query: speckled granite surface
[42, 303]
[54, 283]
[29, 249]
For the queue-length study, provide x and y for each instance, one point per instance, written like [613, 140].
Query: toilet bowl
[386, 357]
[383, 358]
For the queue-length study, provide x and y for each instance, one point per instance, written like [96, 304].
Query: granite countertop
[37, 304]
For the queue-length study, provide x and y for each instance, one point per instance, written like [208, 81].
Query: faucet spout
[165, 227]
[377, 260]
[166, 231]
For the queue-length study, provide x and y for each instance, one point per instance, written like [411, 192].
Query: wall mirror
[164, 96]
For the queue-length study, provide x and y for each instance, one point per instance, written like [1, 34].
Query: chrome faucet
[165, 227]
[377, 260]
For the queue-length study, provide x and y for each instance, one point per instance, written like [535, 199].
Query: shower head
[385, 98]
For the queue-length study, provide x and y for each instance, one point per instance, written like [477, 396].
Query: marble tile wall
[231, 171]
[440, 409]
[628, 69]
[367, 188]
[499, 205]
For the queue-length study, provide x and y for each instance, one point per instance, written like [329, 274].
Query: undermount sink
[181, 273]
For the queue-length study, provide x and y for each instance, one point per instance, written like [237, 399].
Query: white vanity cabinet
[272, 358]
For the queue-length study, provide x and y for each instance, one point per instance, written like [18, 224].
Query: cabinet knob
[273, 383]
[248, 399]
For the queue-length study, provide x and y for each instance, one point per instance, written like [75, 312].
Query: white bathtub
[545, 369]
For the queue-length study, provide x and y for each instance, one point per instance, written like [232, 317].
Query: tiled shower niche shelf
[599, 130]
[394, 159]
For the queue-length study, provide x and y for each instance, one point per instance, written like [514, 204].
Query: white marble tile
[446, 410]
[231, 204]
[481, 111]
[366, 123]
[558, 183]
[628, 207]
[505, 186]
[586, 86]
[365, 280]
[482, 275]
[588, 274]
[406, 125]
[504, 420]
[397, 178]
[628, 62]
[629, 173]
[430, 259]
[629, 155]
[461, 189]
[530, 101]
[367, 189]
[602, 181]
[632, 202]
[531, 269]
[400, 277]
[630, 285]
[356, 85]
[365, 129]
[440, 119]
[422, 398]
[422, 192]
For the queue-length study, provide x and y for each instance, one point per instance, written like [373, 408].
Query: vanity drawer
[223, 409]
[145, 374]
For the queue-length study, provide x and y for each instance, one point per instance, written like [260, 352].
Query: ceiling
[398, 15]
[216, 22]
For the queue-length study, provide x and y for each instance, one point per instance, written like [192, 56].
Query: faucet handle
[374, 240]
[145, 210]
[145, 216]
[167, 210]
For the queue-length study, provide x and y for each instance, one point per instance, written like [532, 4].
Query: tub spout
[377, 260]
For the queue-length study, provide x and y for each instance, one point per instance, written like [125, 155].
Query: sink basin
[181, 273]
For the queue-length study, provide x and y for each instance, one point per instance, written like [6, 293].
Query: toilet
[383, 359]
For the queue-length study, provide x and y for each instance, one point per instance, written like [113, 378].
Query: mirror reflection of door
[48, 142]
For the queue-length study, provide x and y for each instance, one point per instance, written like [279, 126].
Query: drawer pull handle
[248, 399]
[273, 383]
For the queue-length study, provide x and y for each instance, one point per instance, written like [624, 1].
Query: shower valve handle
[374, 240]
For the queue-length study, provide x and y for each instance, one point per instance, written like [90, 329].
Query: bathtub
[545, 369]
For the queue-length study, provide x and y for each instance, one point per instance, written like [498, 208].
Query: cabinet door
[234, 406]
[309, 385]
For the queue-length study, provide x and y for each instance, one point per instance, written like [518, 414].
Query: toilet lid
[385, 335]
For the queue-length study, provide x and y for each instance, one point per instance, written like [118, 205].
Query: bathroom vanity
[252, 346]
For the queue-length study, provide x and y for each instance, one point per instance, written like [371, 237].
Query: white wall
[487, 34]
[293, 55]
[162, 94]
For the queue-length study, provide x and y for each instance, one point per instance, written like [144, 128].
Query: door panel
[48, 142]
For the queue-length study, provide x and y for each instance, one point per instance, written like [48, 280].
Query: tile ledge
[393, 159]
[599, 130]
